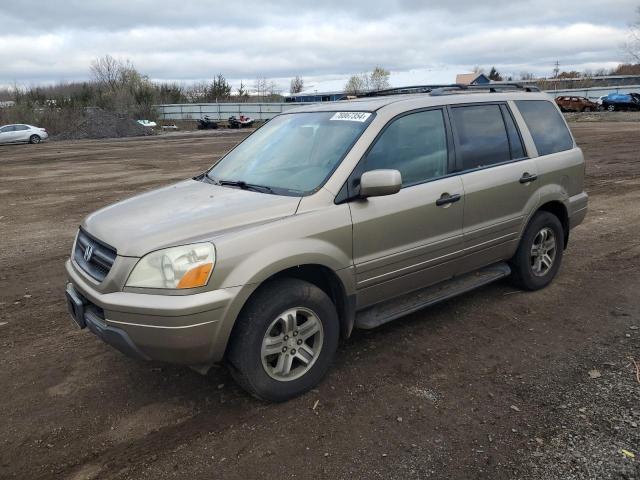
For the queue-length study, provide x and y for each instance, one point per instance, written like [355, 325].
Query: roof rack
[404, 90]
[493, 87]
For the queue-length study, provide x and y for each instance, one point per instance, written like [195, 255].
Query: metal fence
[222, 111]
[265, 111]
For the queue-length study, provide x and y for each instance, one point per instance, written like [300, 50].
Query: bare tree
[260, 86]
[632, 45]
[197, 92]
[527, 76]
[297, 85]
[106, 71]
[355, 85]
[273, 89]
[379, 79]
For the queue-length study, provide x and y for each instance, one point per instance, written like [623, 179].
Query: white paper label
[351, 116]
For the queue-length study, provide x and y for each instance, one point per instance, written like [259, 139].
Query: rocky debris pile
[101, 124]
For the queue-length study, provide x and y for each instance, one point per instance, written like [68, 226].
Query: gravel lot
[496, 384]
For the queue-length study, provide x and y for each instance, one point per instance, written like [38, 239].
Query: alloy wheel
[292, 344]
[543, 252]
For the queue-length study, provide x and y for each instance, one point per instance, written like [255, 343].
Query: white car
[22, 133]
[147, 123]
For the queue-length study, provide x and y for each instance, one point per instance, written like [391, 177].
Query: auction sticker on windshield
[351, 116]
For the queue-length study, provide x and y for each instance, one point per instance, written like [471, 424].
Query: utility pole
[556, 72]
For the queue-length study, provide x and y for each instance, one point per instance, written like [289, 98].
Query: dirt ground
[495, 384]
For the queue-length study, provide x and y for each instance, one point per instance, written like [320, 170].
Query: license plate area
[76, 305]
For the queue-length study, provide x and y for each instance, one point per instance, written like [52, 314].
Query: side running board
[389, 310]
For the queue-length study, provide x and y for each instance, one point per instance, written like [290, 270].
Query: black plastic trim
[102, 259]
[115, 337]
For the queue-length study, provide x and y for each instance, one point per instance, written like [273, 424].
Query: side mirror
[378, 183]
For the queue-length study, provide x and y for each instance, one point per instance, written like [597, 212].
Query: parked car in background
[621, 102]
[242, 122]
[147, 123]
[599, 101]
[576, 104]
[22, 133]
[207, 123]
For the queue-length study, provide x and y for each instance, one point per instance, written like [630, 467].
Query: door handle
[527, 177]
[446, 199]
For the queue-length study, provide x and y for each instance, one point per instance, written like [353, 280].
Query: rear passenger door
[22, 133]
[498, 179]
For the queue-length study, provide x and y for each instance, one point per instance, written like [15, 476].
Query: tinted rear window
[482, 136]
[549, 132]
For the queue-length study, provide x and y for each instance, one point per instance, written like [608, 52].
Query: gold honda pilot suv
[329, 217]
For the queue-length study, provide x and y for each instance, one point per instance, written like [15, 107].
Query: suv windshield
[293, 154]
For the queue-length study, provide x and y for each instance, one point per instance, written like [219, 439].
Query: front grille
[101, 259]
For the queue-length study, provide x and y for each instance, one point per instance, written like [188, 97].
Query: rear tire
[611, 108]
[539, 254]
[34, 139]
[270, 352]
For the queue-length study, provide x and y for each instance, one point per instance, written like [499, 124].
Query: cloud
[191, 40]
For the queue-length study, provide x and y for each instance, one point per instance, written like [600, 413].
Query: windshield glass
[293, 154]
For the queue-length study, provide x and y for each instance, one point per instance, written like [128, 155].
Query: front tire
[284, 340]
[34, 139]
[539, 254]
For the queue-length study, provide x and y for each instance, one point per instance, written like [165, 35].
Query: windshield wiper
[244, 185]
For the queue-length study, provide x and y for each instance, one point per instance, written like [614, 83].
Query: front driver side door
[7, 134]
[411, 239]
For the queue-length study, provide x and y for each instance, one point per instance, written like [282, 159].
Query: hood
[187, 212]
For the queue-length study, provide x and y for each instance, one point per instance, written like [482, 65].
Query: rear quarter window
[550, 133]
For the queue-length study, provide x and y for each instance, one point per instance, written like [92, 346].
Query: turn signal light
[196, 277]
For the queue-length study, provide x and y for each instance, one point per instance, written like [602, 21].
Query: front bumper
[184, 329]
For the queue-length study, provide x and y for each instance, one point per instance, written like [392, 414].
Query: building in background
[472, 79]
[314, 97]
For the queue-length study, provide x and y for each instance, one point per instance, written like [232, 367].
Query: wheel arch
[558, 209]
[322, 277]
[330, 283]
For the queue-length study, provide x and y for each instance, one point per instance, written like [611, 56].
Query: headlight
[188, 266]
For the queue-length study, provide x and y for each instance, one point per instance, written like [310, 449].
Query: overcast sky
[424, 41]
